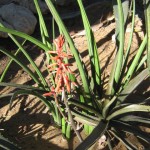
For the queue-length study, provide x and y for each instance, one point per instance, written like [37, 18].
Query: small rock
[18, 17]
[31, 6]
[62, 2]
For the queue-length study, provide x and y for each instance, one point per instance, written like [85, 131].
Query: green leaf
[84, 106]
[98, 131]
[25, 36]
[132, 85]
[21, 65]
[108, 105]
[121, 138]
[127, 109]
[141, 62]
[84, 118]
[6, 95]
[30, 92]
[9, 63]
[21, 86]
[45, 35]
[120, 40]
[68, 131]
[92, 48]
[135, 119]
[147, 22]
[135, 61]
[126, 127]
[129, 42]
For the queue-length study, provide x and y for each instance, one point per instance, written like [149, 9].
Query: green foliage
[110, 115]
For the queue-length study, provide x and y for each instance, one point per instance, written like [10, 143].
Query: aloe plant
[110, 115]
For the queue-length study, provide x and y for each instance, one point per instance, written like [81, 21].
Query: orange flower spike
[59, 84]
[67, 82]
[58, 74]
[59, 43]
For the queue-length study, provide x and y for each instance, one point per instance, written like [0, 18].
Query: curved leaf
[30, 92]
[128, 89]
[131, 129]
[135, 119]
[25, 36]
[84, 106]
[21, 65]
[128, 109]
[21, 86]
[98, 131]
[128, 144]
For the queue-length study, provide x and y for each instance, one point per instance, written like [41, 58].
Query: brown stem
[71, 117]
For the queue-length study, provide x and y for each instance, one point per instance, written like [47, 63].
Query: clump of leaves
[110, 115]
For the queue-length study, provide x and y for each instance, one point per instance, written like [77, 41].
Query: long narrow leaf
[128, 109]
[98, 131]
[141, 62]
[135, 61]
[30, 92]
[21, 86]
[132, 118]
[43, 25]
[84, 106]
[21, 65]
[29, 59]
[121, 41]
[25, 36]
[131, 129]
[147, 20]
[132, 85]
[92, 48]
[128, 145]
[8, 64]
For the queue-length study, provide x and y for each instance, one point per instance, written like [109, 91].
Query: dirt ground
[29, 123]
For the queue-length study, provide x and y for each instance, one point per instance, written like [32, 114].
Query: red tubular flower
[62, 70]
